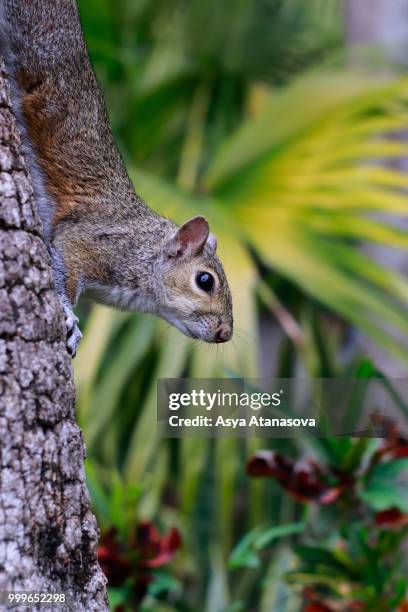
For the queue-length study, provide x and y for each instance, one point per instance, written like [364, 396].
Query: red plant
[391, 518]
[114, 563]
[394, 444]
[304, 480]
[315, 603]
[360, 486]
[133, 560]
[317, 607]
[155, 550]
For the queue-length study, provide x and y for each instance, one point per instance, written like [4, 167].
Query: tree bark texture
[48, 534]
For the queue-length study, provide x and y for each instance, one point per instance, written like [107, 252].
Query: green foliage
[382, 489]
[293, 164]
[300, 183]
[163, 77]
[245, 554]
[351, 553]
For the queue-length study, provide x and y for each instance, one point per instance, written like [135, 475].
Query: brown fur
[103, 238]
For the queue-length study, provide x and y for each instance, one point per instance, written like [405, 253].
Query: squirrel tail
[12, 41]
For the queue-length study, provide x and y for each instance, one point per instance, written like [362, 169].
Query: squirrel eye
[205, 281]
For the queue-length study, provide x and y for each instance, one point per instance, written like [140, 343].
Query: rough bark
[48, 535]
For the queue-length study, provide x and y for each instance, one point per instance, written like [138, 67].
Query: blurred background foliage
[253, 114]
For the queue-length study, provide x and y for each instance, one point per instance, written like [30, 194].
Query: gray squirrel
[103, 239]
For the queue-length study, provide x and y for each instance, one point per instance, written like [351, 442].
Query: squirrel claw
[74, 334]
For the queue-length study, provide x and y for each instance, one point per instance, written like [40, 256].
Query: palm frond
[303, 188]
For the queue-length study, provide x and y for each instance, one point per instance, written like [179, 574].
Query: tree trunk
[48, 534]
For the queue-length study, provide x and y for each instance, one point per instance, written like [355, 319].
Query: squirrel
[103, 239]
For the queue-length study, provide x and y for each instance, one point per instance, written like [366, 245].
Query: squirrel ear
[190, 238]
[212, 244]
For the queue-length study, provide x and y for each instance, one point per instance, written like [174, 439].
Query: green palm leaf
[303, 187]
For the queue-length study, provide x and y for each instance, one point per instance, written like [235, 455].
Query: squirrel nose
[223, 332]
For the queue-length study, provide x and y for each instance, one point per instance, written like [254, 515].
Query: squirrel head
[168, 271]
[191, 284]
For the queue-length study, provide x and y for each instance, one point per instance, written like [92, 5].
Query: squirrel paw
[74, 334]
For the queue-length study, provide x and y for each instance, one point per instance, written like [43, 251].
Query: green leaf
[128, 358]
[100, 499]
[118, 503]
[352, 458]
[384, 494]
[163, 583]
[326, 562]
[245, 553]
[366, 369]
[306, 578]
[390, 470]
[302, 196]
[381, 489]
[236, 606]
[278, 531]
[117, 596]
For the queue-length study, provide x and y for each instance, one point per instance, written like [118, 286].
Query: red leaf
[391, 518]
[313, 601]
[269, 463]
[355, 606]
[395, 444]
[304, 480]
[400, 451]
[116, 567]
[155, 550]
[168, 546]
[147, 540]
[119, 561]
